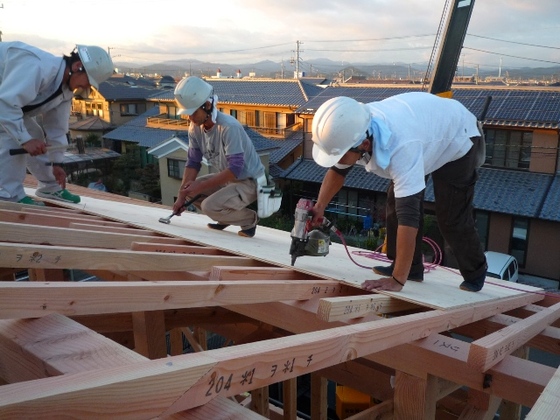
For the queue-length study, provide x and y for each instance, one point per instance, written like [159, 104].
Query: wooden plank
[410, 398]
[38, 256]
[55, 345]
[342, 308]
[289, 397]
[546, 341]
[440, 288]
[144, 389]
[42, 219]
[57, 236]
[25, 299]
[271, 273]
[112, 229]
[176, 249]
[488, 351]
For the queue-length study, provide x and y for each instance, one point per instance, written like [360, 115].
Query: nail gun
[307, 239]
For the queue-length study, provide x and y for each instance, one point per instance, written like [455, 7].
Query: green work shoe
[28, 200]
[62, 195]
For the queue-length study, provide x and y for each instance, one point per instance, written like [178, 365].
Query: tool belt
[269, 198]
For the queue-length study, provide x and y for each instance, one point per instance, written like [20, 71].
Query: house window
[175, 168]
[132, 109]
[508, 149]
[233, 113]
[519, 235]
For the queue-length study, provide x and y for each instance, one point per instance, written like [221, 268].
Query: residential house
[517, 196]
[265, 107]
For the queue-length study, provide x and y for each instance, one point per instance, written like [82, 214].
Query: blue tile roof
[551, 206]
[522, 107]
[119, 88]
[281, 92]
[504, 191]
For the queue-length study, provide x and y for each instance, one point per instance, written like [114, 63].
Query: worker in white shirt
[36, 90]
[406, 138]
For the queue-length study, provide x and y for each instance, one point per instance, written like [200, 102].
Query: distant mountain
[324, 67]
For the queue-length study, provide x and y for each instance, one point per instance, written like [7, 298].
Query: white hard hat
[97, 64]
[338, 125]
[191, 93]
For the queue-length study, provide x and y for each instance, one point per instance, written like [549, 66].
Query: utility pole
[297, 59]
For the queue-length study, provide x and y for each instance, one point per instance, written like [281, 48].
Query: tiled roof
[551, 208]
[504, 191]
[511, 192]
[136, 131]
[119, 88]
[282, 92]
[522, 107]
[308, 171]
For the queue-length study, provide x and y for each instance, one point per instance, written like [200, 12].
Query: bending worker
[405, 138]
[36, 90]
[222, 141]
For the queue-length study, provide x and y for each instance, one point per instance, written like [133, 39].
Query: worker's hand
[60, 176]
[385, 283]
[318, 213]
[178, 206]
[35, 147]
[192, 188]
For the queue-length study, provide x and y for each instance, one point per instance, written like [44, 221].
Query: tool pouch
[269, 198]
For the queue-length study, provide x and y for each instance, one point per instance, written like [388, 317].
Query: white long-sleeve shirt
[29, 76]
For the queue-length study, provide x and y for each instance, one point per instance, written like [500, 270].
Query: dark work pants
[454, 192]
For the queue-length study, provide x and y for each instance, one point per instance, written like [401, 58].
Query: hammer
[167, 219]
[22, 151]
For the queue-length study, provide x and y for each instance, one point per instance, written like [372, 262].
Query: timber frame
[114, 348]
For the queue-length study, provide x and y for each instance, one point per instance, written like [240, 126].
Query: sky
[501, 33]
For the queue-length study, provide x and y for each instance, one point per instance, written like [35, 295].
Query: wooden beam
[57, 236]
[111, 229]
[164, 386]
[40, 256]
[513, 379]
[149, 334]
[177, 249]
[383, 411]
[319, 397]
[289, 396]
[255, 273]
[490, 350]
[342, 308]
[55, 345]
[31, 299]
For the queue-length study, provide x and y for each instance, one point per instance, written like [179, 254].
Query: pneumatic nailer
[306, 239]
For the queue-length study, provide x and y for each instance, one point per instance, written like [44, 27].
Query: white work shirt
[29, 76]
[427, 132]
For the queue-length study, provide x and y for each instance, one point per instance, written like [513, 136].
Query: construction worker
[222, 141]
[36, 90]
[405, 138]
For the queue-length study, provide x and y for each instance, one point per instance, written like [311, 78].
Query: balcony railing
[277, 132]
[162, 122]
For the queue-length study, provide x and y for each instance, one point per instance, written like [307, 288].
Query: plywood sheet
[439, 290]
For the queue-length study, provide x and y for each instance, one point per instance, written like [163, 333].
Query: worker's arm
[408, 216]
[332, 183]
